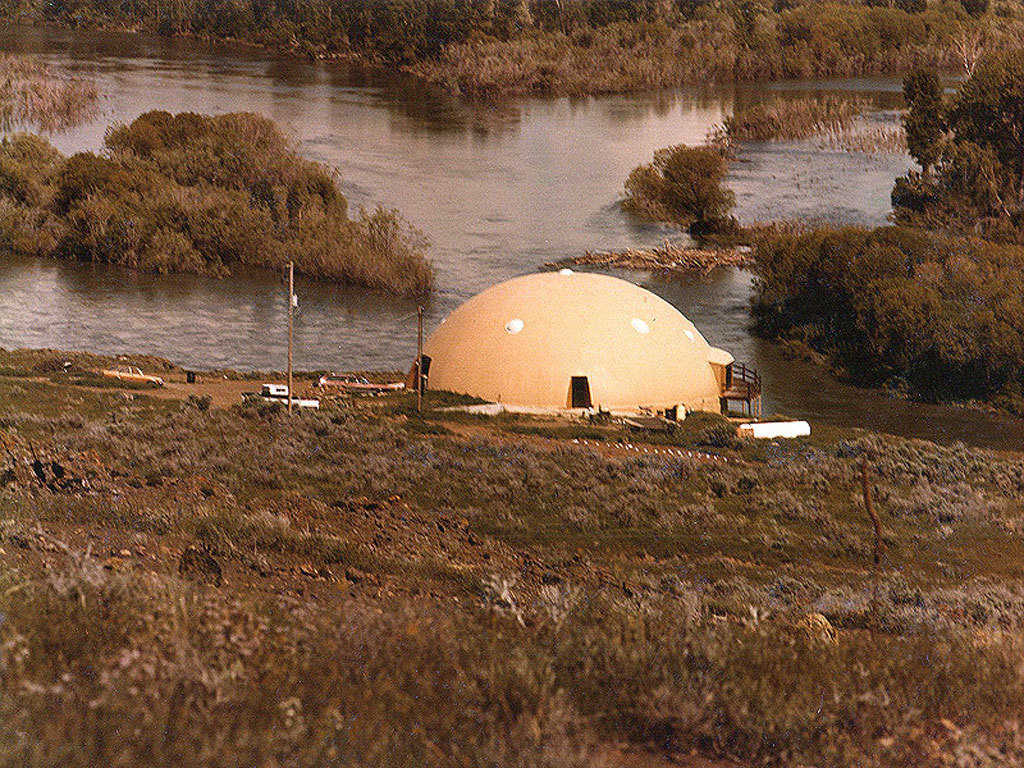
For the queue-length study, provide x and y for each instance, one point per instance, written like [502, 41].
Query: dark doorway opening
[579, 392]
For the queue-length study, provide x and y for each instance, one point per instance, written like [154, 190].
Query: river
[498, 190]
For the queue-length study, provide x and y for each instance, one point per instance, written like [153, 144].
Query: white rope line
[678, 452]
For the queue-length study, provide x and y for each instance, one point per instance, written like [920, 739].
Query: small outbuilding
[566, 340]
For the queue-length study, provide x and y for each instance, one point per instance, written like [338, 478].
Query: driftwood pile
[667, 259]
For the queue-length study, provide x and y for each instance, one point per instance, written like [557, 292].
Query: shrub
[683, 185]
[193, 193]
[943, 313]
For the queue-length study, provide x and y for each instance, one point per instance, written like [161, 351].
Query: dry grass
[396, 597]
[789, 119]
[33, 94]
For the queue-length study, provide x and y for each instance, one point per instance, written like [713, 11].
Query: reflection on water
[499, 190]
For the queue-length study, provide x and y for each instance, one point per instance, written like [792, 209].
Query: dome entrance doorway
[579, 392]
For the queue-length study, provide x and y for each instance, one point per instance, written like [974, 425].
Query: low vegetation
[791, 119]
[683, 186]
[192, 193]
[970, 150]
[488, 48]
[33, 94]
[189, 585]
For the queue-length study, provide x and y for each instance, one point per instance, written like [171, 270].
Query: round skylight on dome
[565, 271]
[514, 326]
[640, 326]
[689, 334]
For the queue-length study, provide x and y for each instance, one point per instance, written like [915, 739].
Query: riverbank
[508, 51]
[487, 571]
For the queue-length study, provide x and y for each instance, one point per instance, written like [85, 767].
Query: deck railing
[743, 373]
[744, 385]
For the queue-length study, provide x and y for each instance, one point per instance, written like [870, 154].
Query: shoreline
[430, 74]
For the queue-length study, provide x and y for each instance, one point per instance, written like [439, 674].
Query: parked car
[133, 375]
[278, 393]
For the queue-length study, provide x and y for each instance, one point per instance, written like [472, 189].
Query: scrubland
[185, 584]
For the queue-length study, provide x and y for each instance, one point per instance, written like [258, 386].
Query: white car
[278, 393]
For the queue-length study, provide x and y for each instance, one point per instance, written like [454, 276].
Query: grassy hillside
[189, 585]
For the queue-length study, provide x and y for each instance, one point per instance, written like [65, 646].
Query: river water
[498, 190]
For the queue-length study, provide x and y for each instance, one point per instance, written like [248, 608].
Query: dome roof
[522, 342]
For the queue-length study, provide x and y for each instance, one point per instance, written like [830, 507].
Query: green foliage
[489, 47]
[199, 194]
[989, 111]
[925, 120]
[683, 185]
[944, 314]
[976, 145]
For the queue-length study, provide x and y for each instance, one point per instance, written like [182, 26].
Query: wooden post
[419, 359]
[291, 299]
[866, 488]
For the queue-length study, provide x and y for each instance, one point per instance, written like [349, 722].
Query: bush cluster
[484, 47]
[942, 314]
[192, 193]
[683, 185]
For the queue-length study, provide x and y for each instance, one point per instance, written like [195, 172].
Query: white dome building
[558, 340]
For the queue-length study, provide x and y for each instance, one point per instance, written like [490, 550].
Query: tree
[925, 121]
[989, 111]
[683, 186]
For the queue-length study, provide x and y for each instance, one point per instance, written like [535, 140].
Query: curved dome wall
[523, 341]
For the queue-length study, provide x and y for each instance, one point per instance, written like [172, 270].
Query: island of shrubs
[498, 47]
[192, 193]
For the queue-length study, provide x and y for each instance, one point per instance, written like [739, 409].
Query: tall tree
[989, 111]
[925, 120]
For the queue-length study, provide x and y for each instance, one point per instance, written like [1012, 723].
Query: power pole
[419, 359]
[291, 304]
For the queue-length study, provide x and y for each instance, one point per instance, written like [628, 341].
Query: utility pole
[291, 305]
[419, 359]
